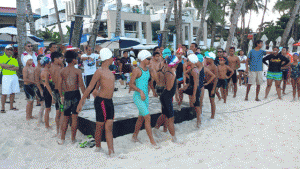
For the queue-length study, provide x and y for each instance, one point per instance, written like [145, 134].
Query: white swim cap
[144, 54]
[193, 58]
[105, 54]
[26, 58]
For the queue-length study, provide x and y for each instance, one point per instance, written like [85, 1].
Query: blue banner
[159, 40]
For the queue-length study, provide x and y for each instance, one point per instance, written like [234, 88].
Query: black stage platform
[126, 115]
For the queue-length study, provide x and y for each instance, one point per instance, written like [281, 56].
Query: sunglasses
[148, 58]
[30, 46]
[220, 51]
[10, 49]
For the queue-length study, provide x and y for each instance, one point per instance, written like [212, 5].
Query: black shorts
[210, 87]
[285, 73]
[222, 83]
[48, 98]
[88, 80]
[71, 101]
[233, 77]
[29, 91]
[167, 105]
[104, 109]
[38, 93]
[56, 96]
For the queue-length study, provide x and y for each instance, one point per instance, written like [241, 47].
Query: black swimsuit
[160, 89]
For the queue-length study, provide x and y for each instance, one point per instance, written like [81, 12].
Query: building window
[52, 10]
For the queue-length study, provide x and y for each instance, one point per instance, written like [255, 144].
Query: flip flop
[15, 109]
[9, 102]
[3, 111]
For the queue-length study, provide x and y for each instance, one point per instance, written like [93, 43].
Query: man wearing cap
[29, 52]
[103, 102]
[10, 81]
[89, 64]
[210, 57]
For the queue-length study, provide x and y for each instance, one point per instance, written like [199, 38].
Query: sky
[255, 19]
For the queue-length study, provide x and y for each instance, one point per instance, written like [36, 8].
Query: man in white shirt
[89, 64]
[28, 51]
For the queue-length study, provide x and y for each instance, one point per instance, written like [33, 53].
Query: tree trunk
[78, 23]
[198, 14]
[243, 28]
[233, 25]
[58, 23]
[201, 28]
[30, 17]
[289, 24]
[165, 34]
[176, 22]
[118, 18]
[92, 40]
[180, 38]
[21, 30]
[262, 20]
[213, 34]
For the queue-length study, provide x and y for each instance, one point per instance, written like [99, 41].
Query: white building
[142, 26]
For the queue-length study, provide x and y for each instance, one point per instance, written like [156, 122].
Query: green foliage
[274, 30]
[284, 5]
[49, 35]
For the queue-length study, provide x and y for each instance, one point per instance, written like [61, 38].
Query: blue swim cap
[200, 58]
[45, 60]
[166, 52]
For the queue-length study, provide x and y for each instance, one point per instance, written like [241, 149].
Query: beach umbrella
[297, 44]
[11, 32]
[120, 43]
[12, 39]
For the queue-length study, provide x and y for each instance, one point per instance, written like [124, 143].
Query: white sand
[263, 135]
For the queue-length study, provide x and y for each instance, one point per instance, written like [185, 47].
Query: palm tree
[284, 6]
[58, 23]
[96, 25]
[165, 34]
[215, 16]
[262, 20]
[78, 23]
[118, 18]
[176, 21]
[30, 18]
[233, 25]
[21, 29]
[290, 23]
[180, 39]
[201, 28]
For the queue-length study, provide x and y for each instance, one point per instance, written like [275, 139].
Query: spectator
[89, 64]
[10, 81]
[29, 52]
[126, 67]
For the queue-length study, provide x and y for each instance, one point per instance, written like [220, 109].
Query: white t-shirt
[243, 65]
[90, 65]
[34, 58]
[132, 59]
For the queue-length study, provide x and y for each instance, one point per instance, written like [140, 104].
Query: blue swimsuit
[142, 83]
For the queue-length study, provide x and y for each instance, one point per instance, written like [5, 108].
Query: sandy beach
[243, 135]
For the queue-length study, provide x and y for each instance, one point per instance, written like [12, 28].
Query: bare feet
[257, 100]
[61, 142]
[155, 146]
[136, 140]
[99, 149]
[156, 133]
[33, 117]
[165, 129]
[279, 98]
[246, 99]
[234, 96]
[49, 128]
[74, 141]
